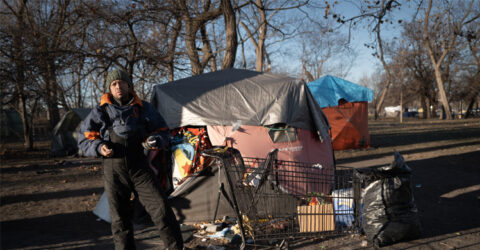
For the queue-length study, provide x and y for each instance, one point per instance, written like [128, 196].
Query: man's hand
[106, 151]
[153, 142]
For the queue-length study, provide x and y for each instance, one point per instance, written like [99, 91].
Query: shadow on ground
[401, 138]
[408, 151]
[49, 195]
[447, 193]
[64, 231]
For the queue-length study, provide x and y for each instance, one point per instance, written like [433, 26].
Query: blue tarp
[328, 90]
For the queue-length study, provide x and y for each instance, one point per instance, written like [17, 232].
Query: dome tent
[245, 107]
[346, 106]
[64, 140]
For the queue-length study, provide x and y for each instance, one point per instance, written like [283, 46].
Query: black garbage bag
[390, 214]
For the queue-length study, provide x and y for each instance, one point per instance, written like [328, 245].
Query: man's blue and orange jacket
[136, 117]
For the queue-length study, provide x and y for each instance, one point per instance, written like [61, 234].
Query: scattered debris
[212, 228]
[225, 230]
[364, 243]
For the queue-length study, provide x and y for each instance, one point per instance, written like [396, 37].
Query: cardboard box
[316, 218]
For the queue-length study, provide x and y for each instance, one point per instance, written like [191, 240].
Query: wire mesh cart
[282, 200]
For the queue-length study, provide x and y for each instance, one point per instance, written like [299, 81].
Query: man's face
[119, 89]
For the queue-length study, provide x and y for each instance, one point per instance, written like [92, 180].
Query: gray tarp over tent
[236, 96]
[64, 141]
[232, 97]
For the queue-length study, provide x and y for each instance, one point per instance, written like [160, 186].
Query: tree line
[55, 54]
[435, 60]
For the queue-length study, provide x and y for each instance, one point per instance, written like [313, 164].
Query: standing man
[119, 130]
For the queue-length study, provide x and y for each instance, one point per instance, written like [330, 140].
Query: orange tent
[348, 125]
[346, 106]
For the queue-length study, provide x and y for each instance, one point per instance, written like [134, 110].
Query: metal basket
[275, 199]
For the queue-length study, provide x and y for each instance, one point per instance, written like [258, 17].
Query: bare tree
[385, 6]
[51, 40]
[13, 32]
[260, 19]
[125, 37]
[472, 37]
[164, 24]
[440, 32]
[324, 50]
[377, 12]
[195, 19]
[419, 67]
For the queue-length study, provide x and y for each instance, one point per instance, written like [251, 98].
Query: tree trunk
[171, 70]
[190, 37]
[244, 59]
[262, 36]
[231, 35]
[22, 107]
[207, 50]
[213, 57]
[27, 132]
[52, 99]
[441, 92]
[468, 114]
[431, 107]
[378, 107]
[172, 46]
[435, 108]
[79, 102]
[77, 77]
[259, 62]
[62, 99]
[385, 66]
[475, 87]
[448, 43]
[192, 26]
[307, 73]
[267, 59]
[401, 105]
[473, 94]
[20, 79]
[423, 102]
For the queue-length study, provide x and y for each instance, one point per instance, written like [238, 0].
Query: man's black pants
[128, 172]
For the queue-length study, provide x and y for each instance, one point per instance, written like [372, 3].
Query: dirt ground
[47, 203]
